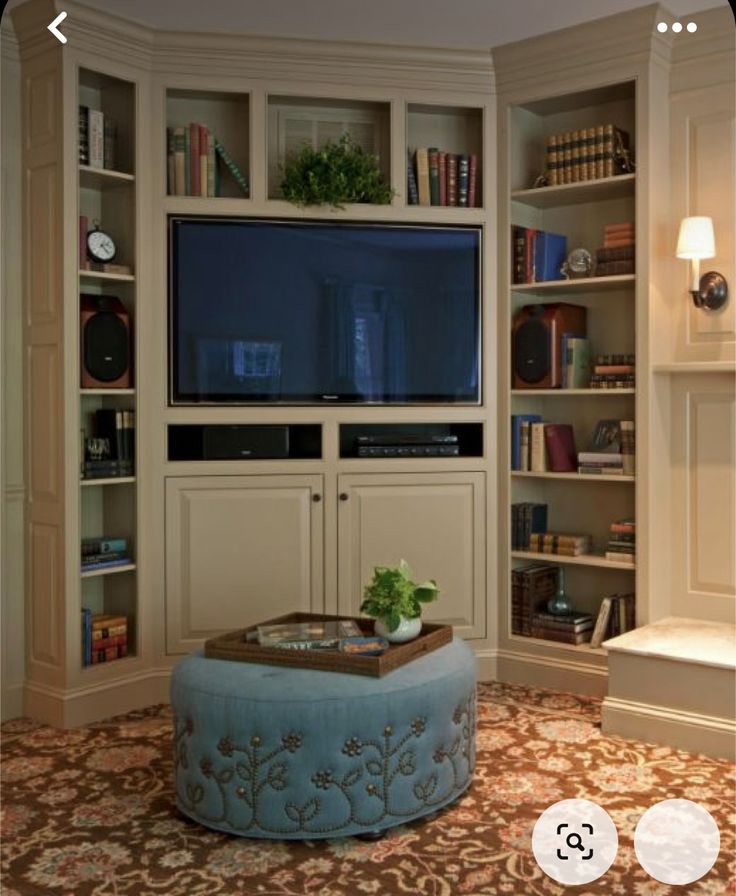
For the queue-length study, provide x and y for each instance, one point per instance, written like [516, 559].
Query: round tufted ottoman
[269, 751]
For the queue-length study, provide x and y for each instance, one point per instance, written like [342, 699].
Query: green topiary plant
[392, 594]
[338, 173]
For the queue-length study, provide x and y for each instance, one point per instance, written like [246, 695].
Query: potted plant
[395, 601]
[337, 173]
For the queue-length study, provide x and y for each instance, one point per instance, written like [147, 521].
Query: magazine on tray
[308, 635]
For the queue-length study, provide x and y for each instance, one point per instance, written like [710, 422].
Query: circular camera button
[677, 841]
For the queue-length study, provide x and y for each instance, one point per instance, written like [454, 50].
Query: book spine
[538, 449]
[110, 131]
[86, 636]
[102, 556]
[551, 168]
[423, 176]
[106, 564]
[473, 190]
[517, 249]
[96, 128]
[451, 179]
[434, 175]
[567, 157]
[180, 182]
[83, 228]
[620, 557]
[463, 175]
[111, 631]
[599, 143]
[203, 160]
[194, 167]
[412, 193]
[187, 161]
[442, 177]
[109, 654]
[614, 268]
[231, 167]
[608, 151]
[524, 440]
[616, 253]
[83, 135]
[628, 446]
[575, 157]
[111, 641]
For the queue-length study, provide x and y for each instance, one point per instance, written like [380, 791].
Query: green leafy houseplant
[337, 173]
[392, 594]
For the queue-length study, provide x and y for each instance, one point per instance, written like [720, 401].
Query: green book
[577, 362]
[231, 166]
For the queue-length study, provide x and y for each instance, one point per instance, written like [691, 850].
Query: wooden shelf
[102, 275]
[581, 560]
[560, 645]
[110, 571]
[107, 391]
[571, 393]
[697, 367]
[99, 178]
[584, 191]
[580, 477]
[114, 480]
[582, 284]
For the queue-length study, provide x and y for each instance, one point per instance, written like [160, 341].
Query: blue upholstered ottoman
[269, 751]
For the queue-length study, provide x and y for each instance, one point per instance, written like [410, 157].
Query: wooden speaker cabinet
[104, 341]
[537, 336]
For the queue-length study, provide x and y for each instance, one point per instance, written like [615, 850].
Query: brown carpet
[89, 811]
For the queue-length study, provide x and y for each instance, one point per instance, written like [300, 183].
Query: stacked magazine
[308, 635]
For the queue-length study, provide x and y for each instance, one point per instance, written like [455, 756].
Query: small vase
[408, 630]
[560, 603]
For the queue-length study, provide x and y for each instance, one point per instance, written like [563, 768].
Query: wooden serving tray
[234, 646]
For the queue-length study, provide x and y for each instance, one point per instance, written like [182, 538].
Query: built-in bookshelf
[108, 504]
[576, 502]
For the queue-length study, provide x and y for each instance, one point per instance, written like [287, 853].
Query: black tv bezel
[176, 399]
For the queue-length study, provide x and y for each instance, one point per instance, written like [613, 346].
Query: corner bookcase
[577, 503]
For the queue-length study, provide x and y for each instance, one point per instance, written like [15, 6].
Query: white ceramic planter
[408, 630]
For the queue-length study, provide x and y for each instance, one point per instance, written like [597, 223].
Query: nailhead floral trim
[257, 769]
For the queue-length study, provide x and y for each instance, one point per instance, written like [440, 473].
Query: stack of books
[564, 544]
[585, 154]
[191, 159]
[617, 615]
[531, 588]
[617, 255]
[526, 519]
[111, 452]
[621, 545]
[435, 177]
[97, 139]
[568, 628]
[537, 256]
[539, 447]
[104, 638]
[104, 553]
[611, 450]
[614, 372]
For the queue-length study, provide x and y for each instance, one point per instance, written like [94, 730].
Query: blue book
[516, 421]
[550, 250]
[106, 564]
[86, 636]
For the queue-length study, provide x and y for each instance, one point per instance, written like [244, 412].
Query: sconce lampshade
[696, 238]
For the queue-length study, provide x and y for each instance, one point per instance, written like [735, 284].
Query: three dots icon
[676, 27]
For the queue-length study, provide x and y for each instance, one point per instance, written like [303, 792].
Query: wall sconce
[696, 241]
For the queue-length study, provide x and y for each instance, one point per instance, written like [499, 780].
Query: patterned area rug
[89, 811]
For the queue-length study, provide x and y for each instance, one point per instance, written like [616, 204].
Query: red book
[83, 243]
[561, 451]
[109, 653]
[473, 180]
[530, 237]
[442, 165]
[194, 158]
[113, 641]
[451, 178]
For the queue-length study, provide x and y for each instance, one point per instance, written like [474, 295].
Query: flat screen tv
[297, 312]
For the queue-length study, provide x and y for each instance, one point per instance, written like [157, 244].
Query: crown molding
[707, 57]
[593, 48]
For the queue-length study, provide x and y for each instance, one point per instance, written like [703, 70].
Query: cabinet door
[239, 550]
[435, 521]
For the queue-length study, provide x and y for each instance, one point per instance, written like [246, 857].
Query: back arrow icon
[54, 29]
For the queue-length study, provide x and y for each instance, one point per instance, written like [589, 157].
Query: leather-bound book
[561, 451]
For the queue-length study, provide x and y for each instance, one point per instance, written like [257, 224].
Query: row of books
[110, 452]
[586, 154]
[621, 545]
[104, 637]
[541, 447]
[568, 628]
[617, 614]
[536, 255]
[104, 553]
[527, 517]
[97, 139]
[191, 162]
[436, 177]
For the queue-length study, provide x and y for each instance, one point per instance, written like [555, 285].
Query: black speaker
[104, 343]
[537, 342]
[238, 442]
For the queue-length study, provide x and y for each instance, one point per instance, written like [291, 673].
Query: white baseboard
[487, 668]
[70, 709]
[694, 732]
[11, 702]
[518, 667]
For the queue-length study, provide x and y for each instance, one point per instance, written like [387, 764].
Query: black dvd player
[412, 450]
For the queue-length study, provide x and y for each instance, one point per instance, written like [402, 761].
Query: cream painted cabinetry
[435, 521]
[240, 549]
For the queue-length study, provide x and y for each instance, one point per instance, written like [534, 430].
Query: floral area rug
[90, 811]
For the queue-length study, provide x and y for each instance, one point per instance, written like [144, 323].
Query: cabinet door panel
[240, 549]
[436, 522]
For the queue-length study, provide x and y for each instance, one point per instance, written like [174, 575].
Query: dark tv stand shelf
[242, 441]
[467, 437]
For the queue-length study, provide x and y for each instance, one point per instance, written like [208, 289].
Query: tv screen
[297, 312]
